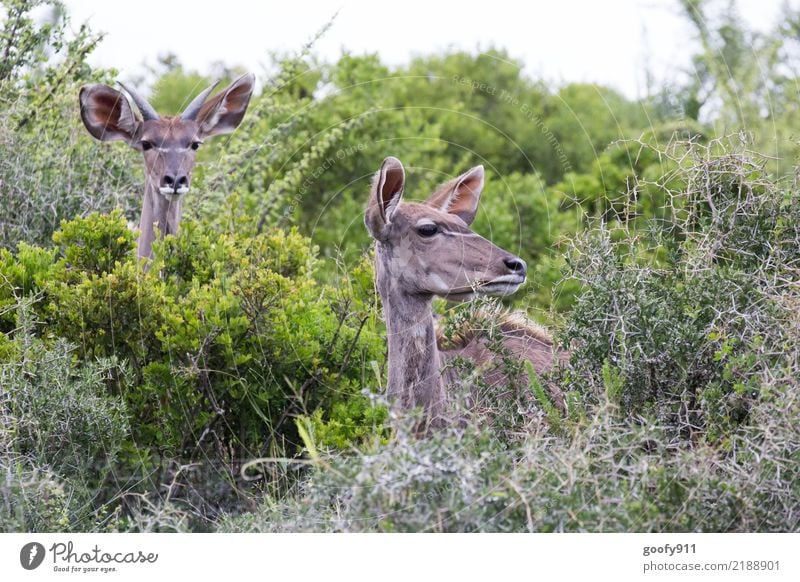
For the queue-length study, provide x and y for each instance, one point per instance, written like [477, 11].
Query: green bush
[219, 345]
[689, 333]
[605, 475]
[64, 416]
[671, 271]
[50, 169]
[682, 393]
[226, 337]
[63, 436]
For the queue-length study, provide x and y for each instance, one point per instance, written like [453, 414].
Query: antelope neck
[157, 212]
[414, 364]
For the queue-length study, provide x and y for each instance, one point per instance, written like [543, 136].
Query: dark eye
[146, 145]
[427, 230]
[195, 145]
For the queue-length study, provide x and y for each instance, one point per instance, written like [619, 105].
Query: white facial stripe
[500, 289]
[167, 150]
[465, 234]
[438, 285]
[513, 279]
[391, 207]
[426, 221]
[169, 192]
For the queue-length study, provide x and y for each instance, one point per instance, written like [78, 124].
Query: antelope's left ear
[460, 196]
[385, 196]
[225, 111]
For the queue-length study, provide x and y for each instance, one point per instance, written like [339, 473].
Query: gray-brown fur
[425, 250]
[168, 144]
[521, 339]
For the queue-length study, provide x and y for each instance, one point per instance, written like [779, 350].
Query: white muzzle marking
[171, 194]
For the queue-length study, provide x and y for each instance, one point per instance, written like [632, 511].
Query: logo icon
[31, 555]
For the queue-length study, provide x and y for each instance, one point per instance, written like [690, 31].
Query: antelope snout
[174, 184]
[516, 266]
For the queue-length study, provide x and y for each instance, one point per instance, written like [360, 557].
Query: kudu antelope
[427, 249]
[167, 143]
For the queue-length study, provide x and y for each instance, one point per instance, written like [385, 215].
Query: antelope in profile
[425, 250]
[169, 144]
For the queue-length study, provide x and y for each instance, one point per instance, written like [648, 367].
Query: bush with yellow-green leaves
[212, 351]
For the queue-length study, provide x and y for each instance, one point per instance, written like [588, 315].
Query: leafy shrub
[689, 334]
[238, 342]
[50, 169]
[64, 417]
[682, 394]
[63, 436]
[226, 337]
[33, 499]
[606, 475]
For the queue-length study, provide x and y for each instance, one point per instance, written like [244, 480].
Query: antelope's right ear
[224, 112]
[107, 114]
[387, 191]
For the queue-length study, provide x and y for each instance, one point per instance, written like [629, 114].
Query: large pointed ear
[107, 114]
[225, 111]
[387, 191]
[460, 196]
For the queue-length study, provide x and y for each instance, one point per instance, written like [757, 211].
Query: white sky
[561, 40]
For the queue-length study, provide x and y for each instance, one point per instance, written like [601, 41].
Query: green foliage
[353, 421]
[95, 244]
[62, 435]
[22, 274]
[605, 476]
[256, 332]
[224, 328]
[682, 338]
[682, 394]
[743, 80]
[175, 87]
[612, 382]
[224, 340]
[50, 169]
[53, 399]
[543, 400]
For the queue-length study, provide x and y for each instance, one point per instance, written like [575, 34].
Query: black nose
[516, 265]
[175, 182]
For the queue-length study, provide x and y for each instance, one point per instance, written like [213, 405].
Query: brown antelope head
[168, 144]
[427, 249]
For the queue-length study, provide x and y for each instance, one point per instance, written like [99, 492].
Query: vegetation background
[236, 385]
